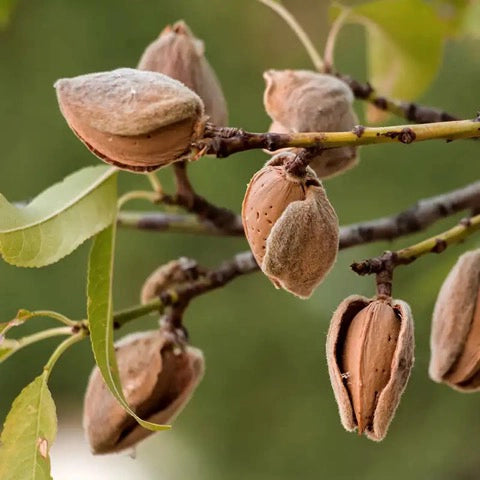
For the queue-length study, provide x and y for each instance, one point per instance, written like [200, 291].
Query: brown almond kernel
[367, 356]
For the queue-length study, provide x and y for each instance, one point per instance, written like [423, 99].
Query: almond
[291, 226]
[304, 101]
[455, 336]
[180, 55]
[135, 120]
[158, 379]
[370, 354]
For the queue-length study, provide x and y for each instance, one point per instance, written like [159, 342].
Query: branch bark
[435, 244]
[414, 219]
[414, 112]
[226, 141]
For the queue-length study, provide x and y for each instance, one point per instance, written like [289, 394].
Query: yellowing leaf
[28, 434]
[6, 7]
[58, 220]
[405, 44]
[100, 317]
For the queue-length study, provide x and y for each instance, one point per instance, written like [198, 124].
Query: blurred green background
[265, 409]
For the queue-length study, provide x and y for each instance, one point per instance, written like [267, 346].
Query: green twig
[62, 348]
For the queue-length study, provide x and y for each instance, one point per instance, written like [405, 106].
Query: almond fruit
[370, 354]
[291, 226]
[135, 120]
[455, 336]
[180, 55]
[304, 101]
[158, 379]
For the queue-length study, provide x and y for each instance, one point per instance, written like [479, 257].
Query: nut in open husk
[370, 347]
[304, 101]
[291, 226]
[180, 55]
[136, 120]
[455, 336]
[158, 379]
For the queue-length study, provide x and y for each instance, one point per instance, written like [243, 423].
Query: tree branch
[414, 219]
[435, 244]
[220, 218]
[175, 223]
[413, 112]
[223, 142]
[240, 264]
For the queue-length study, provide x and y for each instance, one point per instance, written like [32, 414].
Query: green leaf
[60, 219]
[100, 317]
[6, 7]
[28, 434]
[405, 44]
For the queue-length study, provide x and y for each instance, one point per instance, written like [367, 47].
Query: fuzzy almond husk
[389, 390]
[291, 227]
[168, 276]
[304, 101]
[178, 54]
[133, 119]
[455, 335]
[157, 378]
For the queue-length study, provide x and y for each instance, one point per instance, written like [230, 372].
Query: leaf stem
[54, 315]
[152, 197]
[17, 344]
[122, 317]
[155, 183]
[328, 55]
[278, 8]
[62, 348]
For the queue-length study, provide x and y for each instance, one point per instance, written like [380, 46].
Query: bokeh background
[265, 409]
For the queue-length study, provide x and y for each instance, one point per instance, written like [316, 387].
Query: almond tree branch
[240, 264]
[222, 142]
[414, 219]
[217, 217]
[176, 223]
[436, 244]
[411, 111]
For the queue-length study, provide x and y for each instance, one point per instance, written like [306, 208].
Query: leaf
[60, 219]
[6, 7]
[100, 317]
[405, 44]
[471, 21]
[451, 13]
[28, 434]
